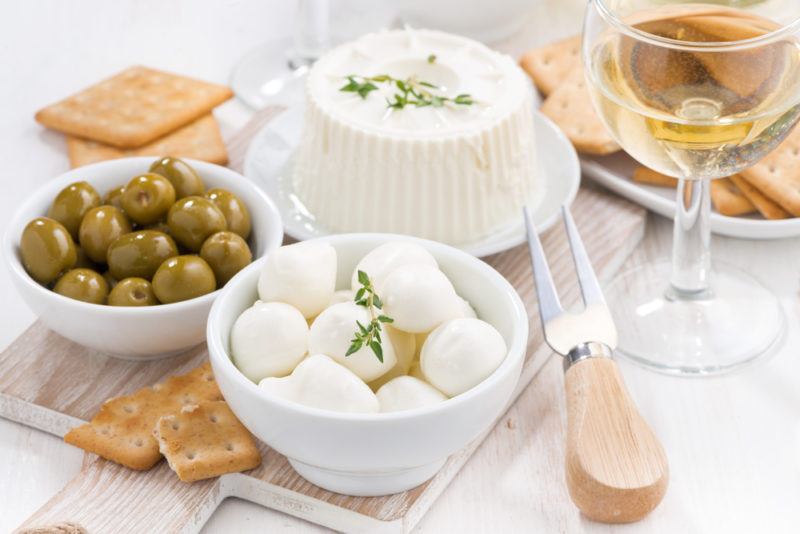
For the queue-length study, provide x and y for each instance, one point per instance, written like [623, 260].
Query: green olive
[139, 254]
[183, 177]
[71, 204]
[192, 219]
[47, 249]
[82, 260]
[132, 292]
[100, 227]
[147, 198]
[114, 197]
[234, 210]
[160, 226]
[83, 284]
[110, 280]
[227, 254]
[183, 278]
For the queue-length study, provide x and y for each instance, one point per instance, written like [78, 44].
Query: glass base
[267, 76]
[740, 321]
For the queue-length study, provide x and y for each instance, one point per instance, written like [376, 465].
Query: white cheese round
[453, 173]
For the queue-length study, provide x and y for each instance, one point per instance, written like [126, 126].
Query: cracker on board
[570, 107]
[122, 431]
[646, 175]
[205, 440]
[728, 199]
[134, 107]
[200, 139]
[550, 65]
[777, 175]
[768, 208]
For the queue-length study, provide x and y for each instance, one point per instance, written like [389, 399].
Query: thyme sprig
[410, 92]
[369, 335]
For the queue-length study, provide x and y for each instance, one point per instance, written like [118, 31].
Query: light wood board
[52, 384]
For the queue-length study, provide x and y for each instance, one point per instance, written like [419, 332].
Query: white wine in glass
[694, 91]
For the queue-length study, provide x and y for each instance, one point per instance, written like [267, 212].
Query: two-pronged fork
[616, 469]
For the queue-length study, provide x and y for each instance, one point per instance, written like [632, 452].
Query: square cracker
[551, 64]
[205, 440]
[570, 107]
[777, 175]
[133, 108]
[122, 431]
[200, 139]
[728, 199]
[765, 206]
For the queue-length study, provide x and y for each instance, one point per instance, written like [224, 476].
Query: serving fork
[616, 469]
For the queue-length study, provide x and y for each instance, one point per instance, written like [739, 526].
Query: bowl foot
[367, 484]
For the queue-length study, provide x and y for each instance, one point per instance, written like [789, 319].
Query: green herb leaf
[410, 92]
[377, 349]
[432, 58]
[368, 335]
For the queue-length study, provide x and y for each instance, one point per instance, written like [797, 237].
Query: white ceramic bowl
[374, 454]
[134, 333]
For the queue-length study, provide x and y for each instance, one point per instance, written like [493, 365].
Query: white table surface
[733, 442]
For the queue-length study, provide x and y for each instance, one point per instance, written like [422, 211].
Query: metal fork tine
[590, 287]
[549, 305]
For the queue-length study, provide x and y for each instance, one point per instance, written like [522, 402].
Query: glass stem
[312, 32]
[691, 255]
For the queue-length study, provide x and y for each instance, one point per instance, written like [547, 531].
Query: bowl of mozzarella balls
[367, 359]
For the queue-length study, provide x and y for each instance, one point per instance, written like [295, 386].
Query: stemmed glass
[274, 72]
[694, 91]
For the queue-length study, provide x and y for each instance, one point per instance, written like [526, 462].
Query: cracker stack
[771, 187]
[183, 418]
[140, 112]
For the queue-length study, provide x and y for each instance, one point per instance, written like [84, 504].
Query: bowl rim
[516, 350]
[12, 233]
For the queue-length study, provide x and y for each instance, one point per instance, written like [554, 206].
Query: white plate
[614, 172]
[268, 163]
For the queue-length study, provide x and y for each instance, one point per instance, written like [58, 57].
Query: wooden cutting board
[52, 384]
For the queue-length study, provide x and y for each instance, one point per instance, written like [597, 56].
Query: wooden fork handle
[615, 466]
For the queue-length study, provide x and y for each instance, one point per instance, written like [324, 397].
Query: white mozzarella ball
[268, 339]
[405, 348]
[332, 333]
[460, 354]
[303, 275]
[466, 309]
[343, 295]
[419, 298]
[322, 383]
[407, 393]
[381, 261]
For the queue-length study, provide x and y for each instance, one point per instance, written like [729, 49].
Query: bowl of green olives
[127, 256]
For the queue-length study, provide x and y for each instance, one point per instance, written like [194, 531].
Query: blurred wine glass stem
[312, 32]
[691, 257]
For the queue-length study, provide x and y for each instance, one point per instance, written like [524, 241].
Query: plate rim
[481, 248]
[737, 227]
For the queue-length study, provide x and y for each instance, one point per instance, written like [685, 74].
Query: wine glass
[274, 72]
[694, 91]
